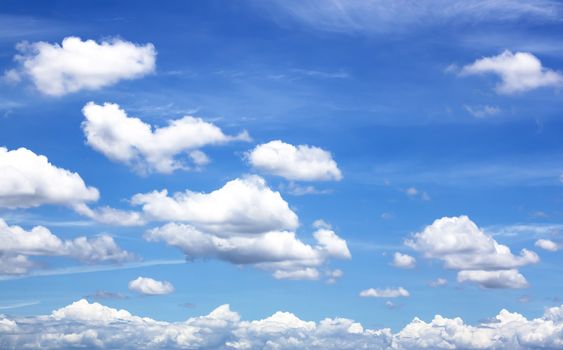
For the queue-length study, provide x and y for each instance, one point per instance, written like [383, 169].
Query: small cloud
[104, 294]
[321, 224]
[403, 261]
[482, 111]
[384, 293]
[439, 282]
[547, 244]
[333, 276]
[413, 192]
[297, 190]
[387, 216]
[149, 286]
[11, 76]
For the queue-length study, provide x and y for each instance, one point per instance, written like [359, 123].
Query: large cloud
[518, 72]
[18, 245]
[82, 65]
[243, 206]
[280, 252]
[94, 326]
[29, 180]
[126, 139]
[462, 245]
[306, 163]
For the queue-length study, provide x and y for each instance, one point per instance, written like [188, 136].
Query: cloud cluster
[244, 223]
[461, 245]
[519, 72]
[95, 326]
[18, 245]
[129, 140]
[30, 180]
[300, 163]
[75, 64]
[149, 286]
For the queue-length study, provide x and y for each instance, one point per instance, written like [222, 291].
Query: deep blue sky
[379, 97]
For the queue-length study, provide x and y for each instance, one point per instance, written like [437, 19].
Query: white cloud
[149, 286]
[92, 325]
[413, 192]
[403, 261]
[129, 140]
[111, 216]
[76, 65]
[385, 293]
[494, 279]
[18, 244]
[518, 72]
[29, 180]
[243, 206]
[547, 245]
[300, 163]
[462, 245]
[482, 111]
[280, 252]
[438, 282]
[383, 16]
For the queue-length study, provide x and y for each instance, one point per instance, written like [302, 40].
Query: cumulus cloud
[149, 286]
[462, 245]
[385, 293]
[494, 279]
[129, 140]
[74, 65]
[18, 245]
[518, 72]
[280, 252]
[300, 163]
[547, 245]
[242, 206]
[403, 261]
[95, 326]
[30, 180]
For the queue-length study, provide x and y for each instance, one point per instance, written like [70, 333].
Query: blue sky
[438, 123]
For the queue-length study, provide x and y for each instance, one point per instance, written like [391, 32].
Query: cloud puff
[77, 65]
[547, 245]
[463, 246]
[518, 72]
[403, 261]
[280, 252]
[149, 286]
[438, 282]
[129, 140]
[18, 244]
[304, 163]
[482, 111]
[243, 206]
[385, 293]
[95, 326]
[494, 279]
[29, 180]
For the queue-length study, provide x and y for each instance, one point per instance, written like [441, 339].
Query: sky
[335, 174]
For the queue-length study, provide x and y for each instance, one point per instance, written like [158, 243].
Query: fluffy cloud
[82, 65]
[403, 261]
[494, 279]
[385, 293]
[242, 206]
[126, 139]
[463, 246]
[280, 252]
[438, 282]
[149, 286]
[547, 245]
[518, 72]
[18, 244]
[95, 326]
[305, 163]
[29, 180]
